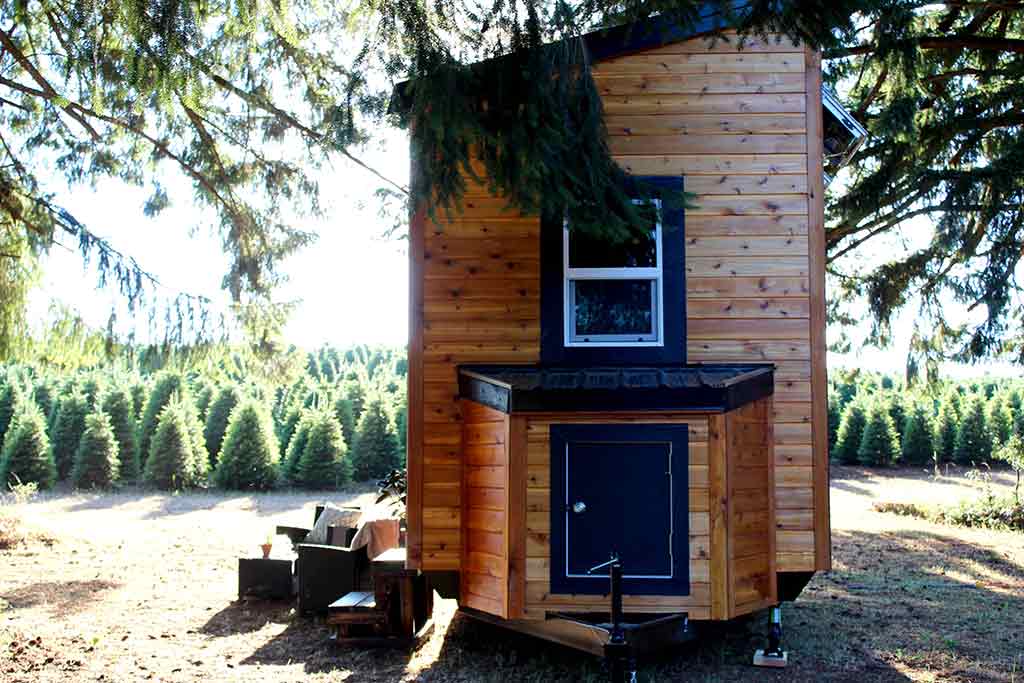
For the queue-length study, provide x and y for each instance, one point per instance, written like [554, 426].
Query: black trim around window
[552, 314]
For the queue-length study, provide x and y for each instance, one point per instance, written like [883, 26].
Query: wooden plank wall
[479, 302]
[734, 123]
[485, 523]
[538, 598]
[750, 507]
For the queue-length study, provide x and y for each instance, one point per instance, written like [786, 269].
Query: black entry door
[619, 489]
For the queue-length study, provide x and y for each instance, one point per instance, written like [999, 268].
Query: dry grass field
[136, 586]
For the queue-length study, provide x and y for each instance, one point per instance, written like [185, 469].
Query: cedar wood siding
[735, 123]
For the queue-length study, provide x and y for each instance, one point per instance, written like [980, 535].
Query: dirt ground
[141, 587]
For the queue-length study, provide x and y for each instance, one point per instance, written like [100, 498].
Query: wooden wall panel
[736, 123]
[485, 514]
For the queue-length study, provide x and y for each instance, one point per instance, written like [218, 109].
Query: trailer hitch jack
[618, 654]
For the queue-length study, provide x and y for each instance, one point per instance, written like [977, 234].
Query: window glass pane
[613, 307]
[639, 251]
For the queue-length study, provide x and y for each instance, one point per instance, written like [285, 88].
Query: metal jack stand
[618, 654]
[774, 655]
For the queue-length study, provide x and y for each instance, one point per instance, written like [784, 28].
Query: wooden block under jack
[761, 659]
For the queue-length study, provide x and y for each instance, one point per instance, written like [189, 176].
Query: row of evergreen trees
[340, 419]
[873, 421]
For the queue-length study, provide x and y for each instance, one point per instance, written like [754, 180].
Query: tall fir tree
[347, 418]
[167, 387]
[973, 441]
[26, 456]
[897, 410]
[217, 420]
[177, 457]
[947, 426]
[67, 431]
[117, 405]
[918, 442]
[998, 421]
[43, 394]
[10, 396]
[835, 417]
[324, 463]
[96, 461]
[296, 447]
[248, 457]
[880, 443]
[375, 452]
[851, 430]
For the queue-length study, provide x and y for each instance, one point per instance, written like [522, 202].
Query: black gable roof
[630, 38]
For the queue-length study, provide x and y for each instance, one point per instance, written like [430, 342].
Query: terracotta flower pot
[266, 550]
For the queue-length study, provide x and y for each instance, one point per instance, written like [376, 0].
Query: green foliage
[67, 430]
[947, 426]
[324, 464]
[10, 395]
[355, 393]
[177, 459]
[117, 405]
[998, 420]
[26, 457]
[217, 421]
[296, 447]
[1012, 453]
[834, 419]
[897, 411]
[44, 397]
[168, 385]
[96, 461]
[346, 418]
[973, 441]
[880, 444]
[375, 451]
[248, 458]
[287, 427]
[918, 441]
[851, 431]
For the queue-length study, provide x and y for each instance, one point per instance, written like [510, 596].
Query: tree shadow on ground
[61, 597]
[243, 616]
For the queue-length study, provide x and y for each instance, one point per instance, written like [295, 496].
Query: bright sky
[352, 284]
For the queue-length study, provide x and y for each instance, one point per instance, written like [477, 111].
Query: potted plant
[392, 488]
[268, 543]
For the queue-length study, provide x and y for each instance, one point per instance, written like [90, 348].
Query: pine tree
[375, 452]
[998, 421]
[355, 394]
[918, 442]
[117, 405]
[401, 427]
[973, 442]
[880, 444]
[286, 429]
[174, 461]
[217, 421]
[168, 385]
[44, 397]
[96, 461]
[851, 430]
[947, 426]
[834, 420]
[296, 447]
[204, 392]
[140, 394]
[324, 464]
[346, 417]
[897, 410]
[10, 396]
[248, 457]
[26, 456]
[66, 434]
[90, 390]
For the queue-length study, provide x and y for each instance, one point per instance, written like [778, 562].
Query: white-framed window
[613, 294]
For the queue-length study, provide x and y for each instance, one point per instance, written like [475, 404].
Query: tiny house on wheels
[605, 447]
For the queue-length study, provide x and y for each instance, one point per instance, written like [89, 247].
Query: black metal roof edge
[614, 41]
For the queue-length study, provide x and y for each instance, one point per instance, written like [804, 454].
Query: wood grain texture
[485, 512]
[819, 381]
[414, 392]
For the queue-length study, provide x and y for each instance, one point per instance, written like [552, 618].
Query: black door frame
[677, 436]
